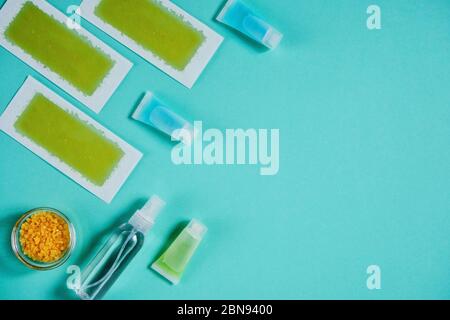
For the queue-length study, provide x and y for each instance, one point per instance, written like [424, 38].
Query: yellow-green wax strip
[59, 48]
[73, 141]
[154, 27]
[172, 263]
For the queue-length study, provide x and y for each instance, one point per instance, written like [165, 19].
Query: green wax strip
[154, 27]
[172, 263]
[59, 48]
[75, 142]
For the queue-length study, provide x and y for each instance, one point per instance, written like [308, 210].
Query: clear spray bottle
[125, 242]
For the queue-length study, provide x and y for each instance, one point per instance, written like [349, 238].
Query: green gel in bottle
[172, 263]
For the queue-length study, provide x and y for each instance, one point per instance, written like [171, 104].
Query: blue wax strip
[152, 112]
[240, 17]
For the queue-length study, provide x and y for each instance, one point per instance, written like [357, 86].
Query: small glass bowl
[37, 265]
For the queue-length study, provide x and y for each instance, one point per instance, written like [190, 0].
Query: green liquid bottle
[172, 263]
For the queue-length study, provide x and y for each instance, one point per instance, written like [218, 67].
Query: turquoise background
[364, 119]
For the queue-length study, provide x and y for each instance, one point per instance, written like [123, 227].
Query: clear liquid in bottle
[115, 255]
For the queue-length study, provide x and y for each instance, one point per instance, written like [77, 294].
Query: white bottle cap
[197, 229]
[144, 218]
[272, 38]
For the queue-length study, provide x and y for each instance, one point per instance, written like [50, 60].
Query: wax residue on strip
[73, 141]
[59, 48]
[154, 27]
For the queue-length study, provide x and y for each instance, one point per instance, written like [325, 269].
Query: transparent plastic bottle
[124, 243]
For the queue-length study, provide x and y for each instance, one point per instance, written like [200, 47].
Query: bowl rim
[17, 247]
